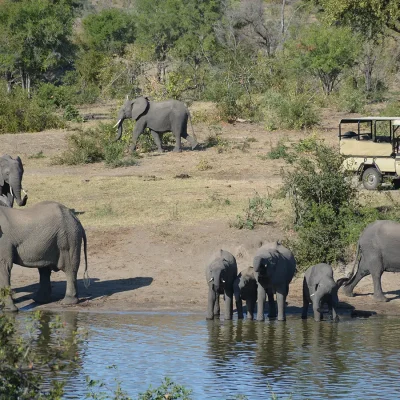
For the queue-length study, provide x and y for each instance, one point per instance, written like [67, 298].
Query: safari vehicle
[371, 146]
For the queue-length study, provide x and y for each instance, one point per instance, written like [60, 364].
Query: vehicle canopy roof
[395, 120]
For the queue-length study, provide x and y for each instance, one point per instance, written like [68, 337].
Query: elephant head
[325, 289]
[131, 109]
[216, 275]
[265, 264]
[11, 172]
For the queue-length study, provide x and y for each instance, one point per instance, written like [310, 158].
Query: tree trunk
[283, 17]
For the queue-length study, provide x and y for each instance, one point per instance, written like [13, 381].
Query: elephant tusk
[311, 295]
[116, 124]
[11, 191]
[211, 280]
[222, 281]
[24, 192]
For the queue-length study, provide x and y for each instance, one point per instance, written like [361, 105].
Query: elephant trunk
[316, 299]
[15, 188]
[257, 264]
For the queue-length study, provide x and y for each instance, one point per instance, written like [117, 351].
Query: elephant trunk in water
[15, 188]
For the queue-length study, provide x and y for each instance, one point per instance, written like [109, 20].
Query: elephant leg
[43, 295]
[239, 304]
[5, 284]
[217, 309]
[191, 140]
[260, 302]
[348, 289]
[281, 302]
[271, 304]
[71, 272]
[211, 303]
[305, 308]
[250, 305]
[139, 128]
[157, 140]
[228, 304]
[332, 311]
[378, 292]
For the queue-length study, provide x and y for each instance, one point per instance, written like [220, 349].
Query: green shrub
[256, 213]
[279, 151]
[391, 109]
[72, 114]
[350, 98]
[57, 96]
[21, 114]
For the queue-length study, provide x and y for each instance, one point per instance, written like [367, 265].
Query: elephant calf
[319, 287]
[274, 268]
[47, 236]
[221, 273]
[245, 288]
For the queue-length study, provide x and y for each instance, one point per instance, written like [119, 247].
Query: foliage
[328, 217]
[71, 113]
[21, 114]
[256, 213]
[324, 52]
[351, 98]
[279, 151]
[204, 165]
[167, 390]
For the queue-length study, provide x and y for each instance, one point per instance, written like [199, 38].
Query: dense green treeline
[265, 60]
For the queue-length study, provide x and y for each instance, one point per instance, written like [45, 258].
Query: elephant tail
[351, 277]
[86, 277]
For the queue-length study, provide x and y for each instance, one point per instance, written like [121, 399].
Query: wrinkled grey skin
[46, 236]
[159, 117]
[274, 267]
[378, 250]
[319, 288]
[221, 272]
[11, 172]
[245, 288]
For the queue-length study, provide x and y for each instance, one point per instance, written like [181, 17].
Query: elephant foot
[177, 150]
[261, 319]
[41, 297]
[336, 319]
[10, 307]
[209, 318]
[381, 298]
[303, 316]
[347, 291]
[194, 145]
[282, 318]
[69, 301]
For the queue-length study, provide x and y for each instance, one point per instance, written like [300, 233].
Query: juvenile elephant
[245, 288]
[319, 287]
[221, 272]
[274, 267]
[378, 250]
[11, 172]
[46, 236]
[159, 117]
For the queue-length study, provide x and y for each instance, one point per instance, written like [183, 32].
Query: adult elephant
[319, 287]
[11, 172]
[159, 117]
[221, 273]
[274, 267]
[47, 236]
[378, 250]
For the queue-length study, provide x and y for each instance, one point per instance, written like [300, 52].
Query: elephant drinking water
[159, 117]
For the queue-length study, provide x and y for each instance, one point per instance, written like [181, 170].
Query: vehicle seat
[349, 135]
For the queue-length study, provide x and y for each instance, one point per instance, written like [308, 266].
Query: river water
[352, 359]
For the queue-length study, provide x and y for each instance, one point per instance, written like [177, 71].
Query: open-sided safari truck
[371, 146]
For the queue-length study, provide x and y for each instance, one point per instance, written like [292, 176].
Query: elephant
[274, 267]
[245, 288]
[159, 117]
[11, 172]
[221, 272]
[319, 287]
[47, 236]
[378, 250]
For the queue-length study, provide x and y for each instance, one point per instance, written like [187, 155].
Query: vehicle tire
[371, 178]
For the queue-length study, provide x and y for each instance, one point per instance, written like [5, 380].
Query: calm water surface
[354, 359]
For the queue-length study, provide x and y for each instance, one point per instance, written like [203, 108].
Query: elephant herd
[47, 236]
[274, 266]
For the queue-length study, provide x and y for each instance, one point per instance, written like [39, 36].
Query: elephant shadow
[395, 292]
[96, 289]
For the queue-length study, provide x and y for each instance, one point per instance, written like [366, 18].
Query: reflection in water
[355, 358]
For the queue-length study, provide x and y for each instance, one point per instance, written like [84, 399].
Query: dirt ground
[150, 233]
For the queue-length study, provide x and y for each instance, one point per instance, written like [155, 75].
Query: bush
[279, 151]
[20, 114]
[328, 216]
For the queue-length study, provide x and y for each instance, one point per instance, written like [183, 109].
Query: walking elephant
[245, 288]
[319, 287]
[274, 267]
[47, 236]
[378, 250]
[11, 172]
[159, 117]
[221, 272]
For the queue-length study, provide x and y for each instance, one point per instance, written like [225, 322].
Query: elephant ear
[20, 163]
[139, 106]
[3, 163]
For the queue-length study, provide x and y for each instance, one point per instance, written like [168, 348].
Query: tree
[108, 31]
[35, 36]
[324, 52]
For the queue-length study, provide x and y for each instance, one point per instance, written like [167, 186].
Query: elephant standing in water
[159, 117]
[319, 287]
[46, 236]
[274, 267]
[11, 172]
[245, 288]
[378, 250]
[221, 272]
